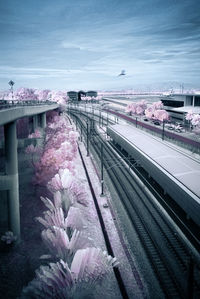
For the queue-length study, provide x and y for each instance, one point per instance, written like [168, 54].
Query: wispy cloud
[5, 72]
[90, 41]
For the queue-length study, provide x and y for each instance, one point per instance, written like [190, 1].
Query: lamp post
[11, 83]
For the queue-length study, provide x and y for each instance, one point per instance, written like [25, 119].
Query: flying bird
[122, 73]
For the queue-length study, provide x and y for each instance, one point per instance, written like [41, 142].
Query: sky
[85, 44]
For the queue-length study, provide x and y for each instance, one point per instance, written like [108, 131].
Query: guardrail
[6, 104]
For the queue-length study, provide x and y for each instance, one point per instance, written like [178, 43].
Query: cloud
[94, 40]
[7, 72]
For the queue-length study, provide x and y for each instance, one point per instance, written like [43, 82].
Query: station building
[91, 93]
[179, 104]
[75, 96]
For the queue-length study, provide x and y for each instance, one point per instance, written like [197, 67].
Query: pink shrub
[57, 280]
[91, 264]
[53, 218]
[59, 244]
[74, 219]
[59, 151]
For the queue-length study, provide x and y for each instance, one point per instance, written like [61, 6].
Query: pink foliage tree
[137, 108]
[156, 111]
[58, 96]
[25, 94]
[42, 95]
[194, 120]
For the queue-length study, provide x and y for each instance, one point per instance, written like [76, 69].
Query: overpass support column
[35, 122]
[11, 163]
[43, 121]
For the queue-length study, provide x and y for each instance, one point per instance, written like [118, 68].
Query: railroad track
[168, 255]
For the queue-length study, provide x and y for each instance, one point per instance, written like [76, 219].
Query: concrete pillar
[11, 164]
[193, 100]
[43, 121]
[35, 122]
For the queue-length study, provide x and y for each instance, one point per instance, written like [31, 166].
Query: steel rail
[104, 231]
[175, 249]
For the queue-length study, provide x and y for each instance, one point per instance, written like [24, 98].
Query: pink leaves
[53, 218]
[64, 222]
[136, 108]
[74, 219]
[91, 264]
[59, 244]
[55, 215]
[156, 111]
[157, 105]
[57, 280]
[194, 118]
[195, 121]
[52, 281]
[59, 152]
[161, 115]
[189, 115]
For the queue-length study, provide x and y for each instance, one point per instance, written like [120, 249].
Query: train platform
[184, 169]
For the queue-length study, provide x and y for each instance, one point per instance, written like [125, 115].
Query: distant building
[179, 104]
[73, 95]
[91, 93]
[81, 93]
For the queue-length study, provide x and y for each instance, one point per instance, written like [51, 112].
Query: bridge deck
[14, 113]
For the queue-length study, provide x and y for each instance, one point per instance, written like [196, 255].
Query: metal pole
[81, 133]
[102, 182]
[163, 130]
[87, 140]
[136, 122]
[99, 118]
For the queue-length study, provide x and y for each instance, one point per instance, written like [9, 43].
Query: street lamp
[11, 83]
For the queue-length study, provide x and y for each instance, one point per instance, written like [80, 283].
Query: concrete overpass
[9, 181]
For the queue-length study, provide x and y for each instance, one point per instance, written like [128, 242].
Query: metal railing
[6, 104]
